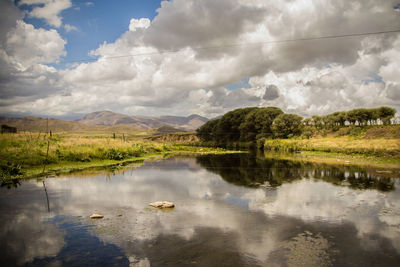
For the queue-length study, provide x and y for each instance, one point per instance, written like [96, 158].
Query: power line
[241, 44]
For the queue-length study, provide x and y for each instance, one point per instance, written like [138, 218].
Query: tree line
[359, 116]
[251, 124]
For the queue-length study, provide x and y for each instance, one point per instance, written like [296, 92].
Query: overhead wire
[239, 45]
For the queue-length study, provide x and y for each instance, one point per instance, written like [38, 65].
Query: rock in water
[96, 216]
[162, 204]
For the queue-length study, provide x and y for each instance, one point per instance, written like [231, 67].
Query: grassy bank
[376, 163]
[32, 154]
[379, 147]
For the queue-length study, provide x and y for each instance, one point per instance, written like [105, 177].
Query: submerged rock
[96, 216]
[162, 204]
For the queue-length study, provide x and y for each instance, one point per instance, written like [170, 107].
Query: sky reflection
[262, 225]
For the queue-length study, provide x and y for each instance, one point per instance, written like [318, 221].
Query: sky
[67, 58]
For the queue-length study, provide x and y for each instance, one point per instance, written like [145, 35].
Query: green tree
[329, 121]
[339, 118]
[363, 115]
[318, 121]
[227, 129]
[351, 116]
[257, 123]
[374, 115]
[207, 131]
[286, 125]
[308, 122]
[385, 114]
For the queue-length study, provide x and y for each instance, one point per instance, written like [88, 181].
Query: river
[231, 210]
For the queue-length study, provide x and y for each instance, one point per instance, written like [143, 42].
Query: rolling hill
[109, 122]
[36, 124]
[109, 118]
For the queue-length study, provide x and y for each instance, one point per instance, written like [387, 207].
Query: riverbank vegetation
[32, 154]
[359, 131]
[252, 124]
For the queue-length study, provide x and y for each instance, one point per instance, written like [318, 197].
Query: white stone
[96, 216]
[162, 204]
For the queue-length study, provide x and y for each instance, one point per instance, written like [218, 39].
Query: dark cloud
[271, 92]
[228, 99]
[183, 23]
[393, 92]
[9, 16]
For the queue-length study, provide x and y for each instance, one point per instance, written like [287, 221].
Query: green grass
[25, 155]
[338, 158]
[380, 147]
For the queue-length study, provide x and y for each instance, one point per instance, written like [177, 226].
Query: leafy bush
[114, 154]
[9, 170]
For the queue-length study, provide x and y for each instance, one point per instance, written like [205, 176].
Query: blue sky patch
[243, 83]
[95, 23]
[374, 78]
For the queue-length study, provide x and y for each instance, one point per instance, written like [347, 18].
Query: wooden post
[47, 156]
[114, 135]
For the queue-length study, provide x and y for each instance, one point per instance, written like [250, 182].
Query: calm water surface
[231, 210]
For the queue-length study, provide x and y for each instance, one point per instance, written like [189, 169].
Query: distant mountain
[109, 122]
[36, 124]
[109, 118]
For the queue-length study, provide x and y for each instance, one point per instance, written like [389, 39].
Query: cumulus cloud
[49, 10]
[24, 53]
[142, 23]
[216, 43]
[183, 23]
[26, 45]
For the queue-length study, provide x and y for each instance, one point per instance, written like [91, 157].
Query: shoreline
[69, 167]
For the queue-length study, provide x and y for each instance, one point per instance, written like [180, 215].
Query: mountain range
[110, 118]
[108, 121]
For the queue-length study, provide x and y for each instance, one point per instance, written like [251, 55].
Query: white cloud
[49, 10]
[142, 23]
[70, 28]
[305, 77]
[26, 46]
[24, 77]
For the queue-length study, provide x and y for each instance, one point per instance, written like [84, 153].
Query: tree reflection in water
[257, 170]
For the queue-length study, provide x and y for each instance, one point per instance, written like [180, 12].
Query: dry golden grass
[348, 145]
[29, 151]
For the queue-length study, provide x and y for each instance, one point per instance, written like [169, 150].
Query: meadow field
[30, 154]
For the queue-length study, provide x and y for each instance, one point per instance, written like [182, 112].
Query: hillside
[35, 124]
[107, 121]
[109, 118]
